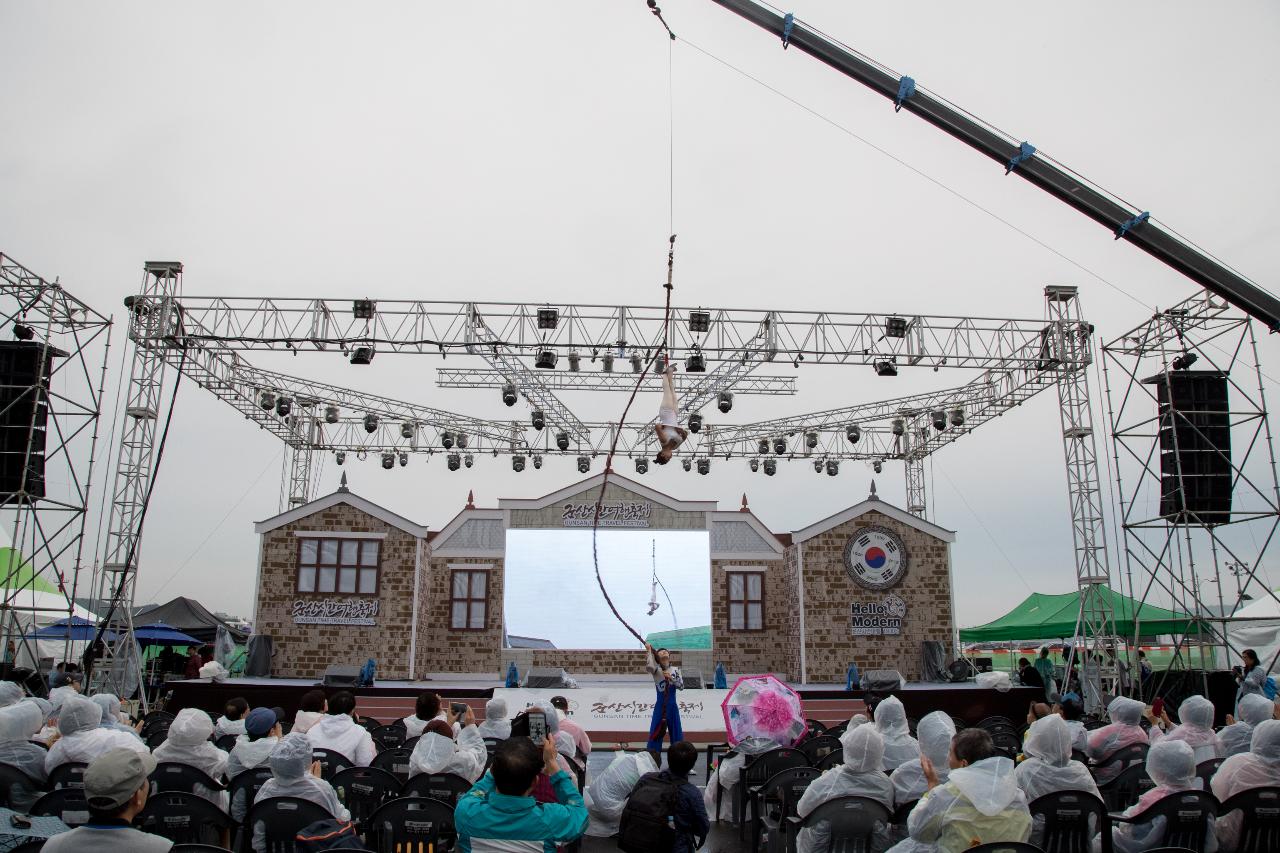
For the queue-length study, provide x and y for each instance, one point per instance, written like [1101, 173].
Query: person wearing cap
[262, 731]
[188, 743]
[581, 742]
[115, 788]
[294, 773]
[82, 738]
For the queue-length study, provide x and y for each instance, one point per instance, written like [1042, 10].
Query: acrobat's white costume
[670, 434]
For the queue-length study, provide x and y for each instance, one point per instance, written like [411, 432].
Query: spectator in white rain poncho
[1172, 766]
[295, 774]
[57, 697]
[188, 743]
[860, 776]
[607, 794]
[17, 724]
[890, 720]
[262, 731]
[1238, 734]
[437, 752]
[10, 694]
[1048, 767]
[497, 723]
[934, 734]
[1257, 768]
[1123, 730]
[729, 772]
[82, 736]
[111, 719]
[1196, 728]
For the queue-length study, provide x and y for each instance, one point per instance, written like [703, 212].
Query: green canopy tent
[1043, 616]
[682, 639]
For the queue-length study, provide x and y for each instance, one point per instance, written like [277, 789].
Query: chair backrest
[901, 812]
[66, 803]
[244, 787]
[1067, 825]
[410, 823]
[281, 819]
[171, 776]
[388, 737]
[369, 723]
[411, 742]
[763, 767]
[838, 729]
[492, 743]
[819, 747]
[69, 775]
[785, 788]
[852, 822]
[1124, 756]
[1007, 743]
[1187, 815]
[331, 761]
[445, 787]
[363, 789]
[226, 743]
[395, 761]
[1260, 823]
[10, 776]
[1005, 847]
[183, 817]
[814, 728]
[1124, 790]
[196, 848]
[156, 738]
[1206, 769]
[831, 759]
[995, 722]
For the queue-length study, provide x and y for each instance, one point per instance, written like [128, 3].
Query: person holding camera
[438, 752]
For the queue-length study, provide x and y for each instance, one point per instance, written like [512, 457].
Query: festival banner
[623, 709]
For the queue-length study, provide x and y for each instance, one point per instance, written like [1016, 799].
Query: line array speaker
[1195, 446]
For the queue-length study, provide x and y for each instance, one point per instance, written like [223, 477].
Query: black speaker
[882, 680]
[693, 679]
[341, 676]
[24, 414]
[1195, 446]
[547, 676]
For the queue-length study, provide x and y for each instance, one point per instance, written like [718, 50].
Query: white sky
[510, 151]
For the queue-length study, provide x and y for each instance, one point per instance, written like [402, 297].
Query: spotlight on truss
[461, 439]
[388, 461]
[833, 467]
[895, 327]
[637, 363]
[340, 457]
[546, 359]
[725, 402]
[853, 433]
[779, 446]
[266, 400]
[575, 361]
[939, 419]
[446, 440]
[331, 414]
[562, 440]
[363, 309]
[695, 422]
[686, 463]
[762, 447]
[371, 423]
[704, 465]
[886, 367]
[509, 395]
[606, 363]
[361, 355]
[283, 406]
[537, 419]
[406, 430]
[754, 465]
[584, 464]
[404, 459]
[468, 460]
[899, 426]
[770, 467]
[811, 440]
[517, 463]
[537, 461]
[454, 461]
[642, 466]
[548, 318]
[696, 363]
[699, 321]
[957, 417]
[877, 466]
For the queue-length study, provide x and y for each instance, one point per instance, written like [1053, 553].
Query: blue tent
[74, 628]
[160, 634]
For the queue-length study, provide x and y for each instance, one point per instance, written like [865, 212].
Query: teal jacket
[492, 822]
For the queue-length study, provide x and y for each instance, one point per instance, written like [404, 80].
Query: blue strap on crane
[788, 24]
[1129, 224]
[906, 88]
[1025, 152]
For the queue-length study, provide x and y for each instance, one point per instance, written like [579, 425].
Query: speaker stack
[24, 414]
[1195, 446]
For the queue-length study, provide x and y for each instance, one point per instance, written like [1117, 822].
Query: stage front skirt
[624, 709]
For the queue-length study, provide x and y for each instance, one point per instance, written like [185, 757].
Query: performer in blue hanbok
[666, 711]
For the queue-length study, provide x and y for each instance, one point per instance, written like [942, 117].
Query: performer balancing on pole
[666, 711]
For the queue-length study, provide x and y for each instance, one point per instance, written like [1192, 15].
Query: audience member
[729, 773]
[262, 731]
[1257, 768]
[1144, 666]
[1029, 675]
[890, 720]
[116, 788]
[1072, 711]
[10, 693]
[1045, 667]
[1123, 730]
[295, 774]
[979, 802]
[1038, 711]
[935, 732]
[311, 710]
[82, 738]
[500, 807]
[1048, 767]
[496, 724]
[194, 662]
[57, 697]
[1172, 766]
[188, 743]
[425, 709]
[232, 720]
[861, 775]
[111, 716]
[1195, 727]
[689, 816]
[340, 732]
[582, 743]
[437, 752]
[1251, 677]
[17, 724]
[1236, 737]
[606, 796]
[58, 678]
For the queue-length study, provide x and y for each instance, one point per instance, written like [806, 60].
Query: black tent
[189, 617]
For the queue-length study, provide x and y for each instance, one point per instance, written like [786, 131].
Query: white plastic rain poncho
[226, 726]
[1195, 727]
[10, 694]
[435, 753]
[607, 794]
[1048, 767]
[188, 743]
[291, 777]
[1254, 710]
[83, 738]
[17, 724]
[567, 748]
[1172, 766]
[496, 722]
[57, 696]
[1079, 735]
[977, 804]
[345, 736]
[934, 733]
[110, 705]
[729, 771]
[860, 776]
[1123, 731]
[247, 755]
[1257, 768]
[891, 722]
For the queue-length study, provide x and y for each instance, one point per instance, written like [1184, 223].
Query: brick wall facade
[752, 651]
[440, 647]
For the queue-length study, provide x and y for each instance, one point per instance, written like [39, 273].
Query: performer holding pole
[666, 711]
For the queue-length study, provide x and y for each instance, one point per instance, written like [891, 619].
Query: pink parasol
[762, 706]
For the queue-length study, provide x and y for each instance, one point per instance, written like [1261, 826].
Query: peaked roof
[1042, 617]
[873, 504]
[341, 496]
[615, 479]
[188, 616]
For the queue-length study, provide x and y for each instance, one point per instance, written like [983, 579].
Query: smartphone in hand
[458, 708]
[1157, 706]
[538, 727]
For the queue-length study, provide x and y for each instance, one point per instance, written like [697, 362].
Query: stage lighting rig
[509, 395]
[404, 459]
[361, 355]
[537, 461]
[23, 332]
[370, 423]
[266, 400]
[1184, 361]
[517, 463]
[461, 440]
[886, 367]
[562, 440]
[575, 361]
[833, 467]
[704, 465]
[762, 447]
[725, 403]
[537, 419]
[754, 465]
[895, 327]
[340, 457]
[695, 422]
[388, 461]
[283, 406]
[606, 363]
[548, 318]
[454, 461]
[957, 417]
[877, 466]
[686, 463]
[770, 467]
[446, 440]
[331, 414]
[546, 359]
[699, 322]
[584, 464]
[899, 426]
[779, 446]
[853, 433]
[811, 440]
[642, 466]
[696, 363]
[468, 460]
[363, 309]
[637, 363]
[817, 466]
[406, 430]
[939, 419]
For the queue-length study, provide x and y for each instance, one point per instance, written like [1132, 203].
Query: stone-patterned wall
[661, 518]
[441, 649]
[306, 651]
[790, 638]
[828, 592]
[744, 652]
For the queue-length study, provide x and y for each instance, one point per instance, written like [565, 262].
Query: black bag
[328, 835]
[646, 826]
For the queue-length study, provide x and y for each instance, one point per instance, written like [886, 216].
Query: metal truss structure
[49, 440]
[1171, 552]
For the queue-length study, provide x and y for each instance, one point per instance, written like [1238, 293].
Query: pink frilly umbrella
[761, 706]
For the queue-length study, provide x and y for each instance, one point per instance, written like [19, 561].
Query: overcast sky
[518, 151]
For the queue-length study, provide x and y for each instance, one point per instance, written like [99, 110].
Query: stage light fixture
[537, 461]
[899, 426]
[454, 462]
[642, 466]
[811, 440]
[725, 402]
[886, 368]
[371, 423]
[853, 433]
[537, 419]
[548, 318]
[446, 440]
[468, 460]
[331, 414]
[406, 430]
[575, 361]
[606, 363]
[779, 445]
[266, 400]
[895, 327]
[699, 321]
[637, 363]
[877, 466]
[362, 355]
[546, 359]
[939, 419]
[754, 465]
[686, 463]
[283, 406]
[696, 363]
[509, 396]
[833, 467]
[388, 461]
[362, 309]
[517, 463]
[1184, 361]
[23, 332]
[762, 446]
[340, 457]
[695, 422]
[817, 466]
[957, 417]
[404, 459]
[461, 440]
[584, 464]
[770, 467]
[704, 465]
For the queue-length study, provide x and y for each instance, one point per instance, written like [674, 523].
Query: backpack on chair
[645, 826]
[328, 835]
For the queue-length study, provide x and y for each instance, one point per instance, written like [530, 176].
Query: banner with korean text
[623, 708]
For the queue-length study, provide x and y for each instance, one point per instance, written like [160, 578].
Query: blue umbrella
[74, 628]
[160, 634]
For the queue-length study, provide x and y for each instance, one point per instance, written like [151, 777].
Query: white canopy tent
[1257, 626]
[34, 609]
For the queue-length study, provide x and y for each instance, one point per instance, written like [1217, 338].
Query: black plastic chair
[411, 823]
[712, 750]
[901, 812]
[1124, 790]
[388, 737]
[69, 775]
[995, 722]
[1134, 753]
[183, 817]
[11, 776]
[65, 803]
[243, 788]
[394, 761]
[155, 738]
[819, 747]
[777, 800]
[410, 743]
[282, 818]
[363, 789]
[331, 762]
[838, 730]
[814, 728]
[1187, 817]
[756, 773]
[1071, 819]
[171, 776]
[1005, 847]
[35, 845]
[226, 743]
[1260, 819]
[369, 723]
[852, 823]
[445, 787]
[1206, 769]
[1007, 743]
[831, 759]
